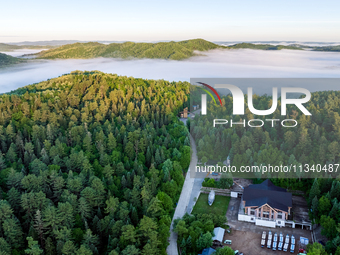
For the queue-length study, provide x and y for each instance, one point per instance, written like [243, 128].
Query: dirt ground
[250, 243]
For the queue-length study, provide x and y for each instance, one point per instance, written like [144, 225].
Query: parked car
[227, 241]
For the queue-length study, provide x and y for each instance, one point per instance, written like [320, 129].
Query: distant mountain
[10, 47]
[263, 46]
[328, 48]
[59, 42]
[160, 50]
[6, 60]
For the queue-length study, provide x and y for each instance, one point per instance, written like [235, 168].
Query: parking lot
[250, 243]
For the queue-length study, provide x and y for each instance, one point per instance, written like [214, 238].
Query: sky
[151, 20]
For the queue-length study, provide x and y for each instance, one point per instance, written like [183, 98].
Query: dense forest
[162, 50]
[91, 163]
[6, 60]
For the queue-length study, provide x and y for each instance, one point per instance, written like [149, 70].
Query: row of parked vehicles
[277, 243]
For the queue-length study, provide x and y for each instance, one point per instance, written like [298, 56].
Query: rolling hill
[262, 46]
[11, 47]
[6, 60]
[161, 50]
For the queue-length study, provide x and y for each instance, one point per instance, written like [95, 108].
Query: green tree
[324, 206]
[204, 241]
[33, 247]
[13, 232]
[68, 248]
[328, 227]
[224, 251]
[315, 191]
[316, 249]
[131, 250]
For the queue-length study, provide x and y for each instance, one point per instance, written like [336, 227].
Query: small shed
[218, 234]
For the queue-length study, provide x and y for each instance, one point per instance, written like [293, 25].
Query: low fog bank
[214, 64]
[21, 52]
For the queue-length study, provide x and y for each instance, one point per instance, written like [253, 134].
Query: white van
[285, 247]
[269, 243]
[274, 246]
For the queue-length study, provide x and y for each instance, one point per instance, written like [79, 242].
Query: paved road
[190, 190]
[183, 200]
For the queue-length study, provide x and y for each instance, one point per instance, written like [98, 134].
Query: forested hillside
[6, 60]
[328, 48]
[262, 46]
[11, 47]
[91, 163]
[162, 50]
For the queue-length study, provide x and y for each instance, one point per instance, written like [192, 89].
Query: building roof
[208, 251]
[218, 234]
[267, 193]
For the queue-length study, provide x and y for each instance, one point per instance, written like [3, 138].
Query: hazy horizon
[222, 42]
[152, 20]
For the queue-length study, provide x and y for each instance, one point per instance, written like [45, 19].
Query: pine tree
[11, 154]
[84, 251]
[314, 207]
[335, 190]
[112, 143]
[14, 199]
[12, 232]
[5, 248]
[315, 191]
[33, 247]
[130, 250]
[2, 161]
[39, 227]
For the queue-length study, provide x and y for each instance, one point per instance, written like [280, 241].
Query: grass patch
[219, 207]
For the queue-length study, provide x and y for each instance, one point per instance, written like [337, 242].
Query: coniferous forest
[91, 163]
